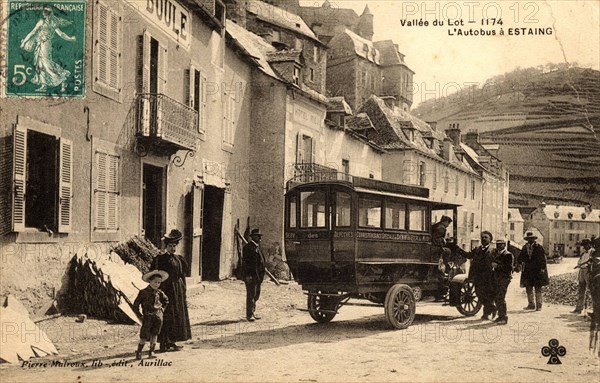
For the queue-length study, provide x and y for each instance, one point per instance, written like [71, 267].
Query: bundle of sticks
[137, 251]
[104, 287]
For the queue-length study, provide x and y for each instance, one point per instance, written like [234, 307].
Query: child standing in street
[153, 301]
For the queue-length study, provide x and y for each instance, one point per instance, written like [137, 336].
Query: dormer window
[366, 48]
[276, 35]
[297, 74]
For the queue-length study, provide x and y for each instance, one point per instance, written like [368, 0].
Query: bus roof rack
[366, 183]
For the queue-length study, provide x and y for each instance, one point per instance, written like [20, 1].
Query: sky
[445, 61]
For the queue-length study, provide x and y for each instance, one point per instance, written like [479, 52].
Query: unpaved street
[286, 345]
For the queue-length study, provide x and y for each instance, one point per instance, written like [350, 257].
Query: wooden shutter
[299, 148]
[203, 105]
[190, 83]
[114, 79]
[100, 191]
[19, 178]
[113, 193]
[143, 80]
[163, 67]
[65, 186]
[313, 153]
[102, 38]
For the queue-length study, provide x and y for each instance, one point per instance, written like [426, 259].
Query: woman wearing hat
[534, 274]
[176, 323]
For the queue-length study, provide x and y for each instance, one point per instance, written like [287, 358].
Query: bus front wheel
[400, 306]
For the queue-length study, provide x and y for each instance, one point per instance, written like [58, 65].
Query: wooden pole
[266, 269]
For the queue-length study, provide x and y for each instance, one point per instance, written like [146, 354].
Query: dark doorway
[211, 238]
[152, 203]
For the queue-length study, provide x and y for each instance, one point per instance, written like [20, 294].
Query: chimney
[447, 149]
[453, 132]
[390, 101]
[472, 139]
[236, 11]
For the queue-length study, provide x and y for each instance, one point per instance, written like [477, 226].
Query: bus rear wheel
[322, 308]
[400, 306]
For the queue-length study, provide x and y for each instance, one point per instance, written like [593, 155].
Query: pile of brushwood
[562, 289]
[138, 252]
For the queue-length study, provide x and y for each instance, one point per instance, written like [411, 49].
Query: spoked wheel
[400, 306]
[322, 308]
[469, 302]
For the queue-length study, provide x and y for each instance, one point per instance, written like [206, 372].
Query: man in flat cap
[253, 271]
[502, 268]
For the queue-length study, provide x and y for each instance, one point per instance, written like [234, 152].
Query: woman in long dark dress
[176, 322]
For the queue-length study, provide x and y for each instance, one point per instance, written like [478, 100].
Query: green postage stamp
[45, 51]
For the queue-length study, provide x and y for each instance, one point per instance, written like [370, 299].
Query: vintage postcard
[299, 191]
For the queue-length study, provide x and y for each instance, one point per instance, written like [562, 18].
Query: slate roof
[338, 104]
[254, 45]
[389, 53]
[359, 45]
[571, 213]
[359, 123]
[281, 17]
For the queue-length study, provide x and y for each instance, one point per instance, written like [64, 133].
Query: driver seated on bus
[438, 238]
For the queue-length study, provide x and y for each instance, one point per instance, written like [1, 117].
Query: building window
[343, 204]
[456, 186]
[298, 44]
[305, 149]
[152, 65]
[229, 102]
[276, 35]
[421, 174]
[346, 166]
[472, 223]
[512, 237]
[446, 182]
[42, 180]
[297, 74]
[416, 218]
[312, 209]
[106, 192]
[473, 190]
[434, 176]
[512, 226]
[571, 225]
[107, 49]
[196, 97]
[555, 224]
[312, 74]
[466, 186]
[315, 54]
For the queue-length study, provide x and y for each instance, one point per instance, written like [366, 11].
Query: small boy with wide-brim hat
[153, 301]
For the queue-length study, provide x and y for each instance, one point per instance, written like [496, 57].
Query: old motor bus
[349, 237]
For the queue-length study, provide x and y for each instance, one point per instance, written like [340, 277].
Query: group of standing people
[588, 276]
[491, 272]
[164, 303]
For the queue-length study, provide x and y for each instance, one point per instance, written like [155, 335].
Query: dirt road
[286, 345]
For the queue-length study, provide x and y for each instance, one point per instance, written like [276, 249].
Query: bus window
[416, 217]
[395, 215]
[369, 213]
[292, 213]
[312, 209]
[342, 210]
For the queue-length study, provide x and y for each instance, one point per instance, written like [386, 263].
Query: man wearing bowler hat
[253, 271]
[534, 274]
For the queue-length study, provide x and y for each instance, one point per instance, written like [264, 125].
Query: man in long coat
[534, 274]
[481, 274]
[502, 266]
[253, 271]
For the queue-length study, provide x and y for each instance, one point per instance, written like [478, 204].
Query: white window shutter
[19, 178]
[163, 68]
[113, 193]
[115, 50]
[143, 53]
[65, 186]
[189, 86]
[203, 104]
[102, 33]
[299, 148]
[100, 191]
[313, 154]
